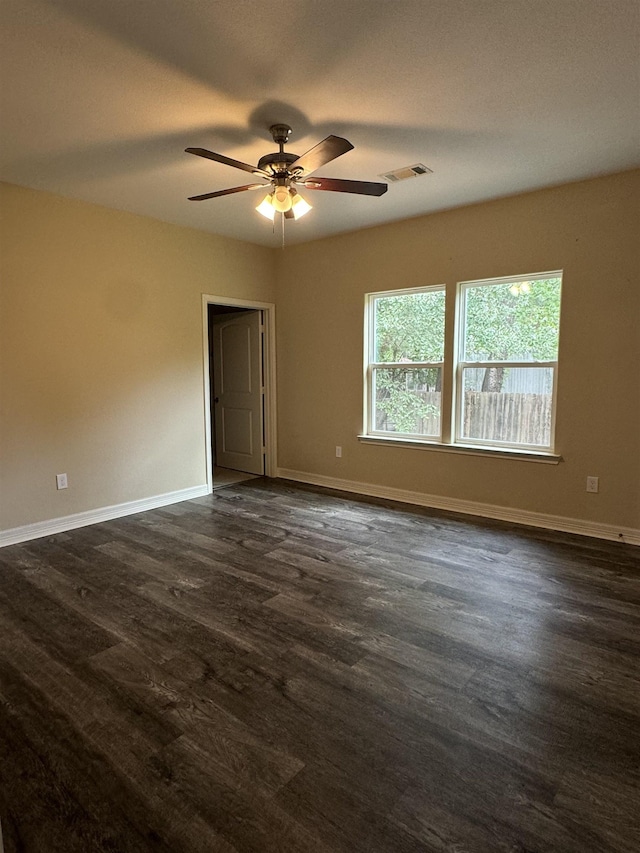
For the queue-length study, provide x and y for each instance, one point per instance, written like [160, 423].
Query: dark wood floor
[275, 668]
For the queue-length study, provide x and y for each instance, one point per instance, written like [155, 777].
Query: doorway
[239, 362]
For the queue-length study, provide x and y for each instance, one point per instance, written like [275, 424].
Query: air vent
[407, 172]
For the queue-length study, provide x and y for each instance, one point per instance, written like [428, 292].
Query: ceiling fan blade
[289, 214]
[323, 152]
[217, 194]
[228, 161]
[337, 185]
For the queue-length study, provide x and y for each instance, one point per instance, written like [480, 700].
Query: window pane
[407, 400]
[511, 405]
[410, 327]
[516, 321]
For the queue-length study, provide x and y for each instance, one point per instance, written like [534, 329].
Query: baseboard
[82, 519]
[581, 527]
[628, 535]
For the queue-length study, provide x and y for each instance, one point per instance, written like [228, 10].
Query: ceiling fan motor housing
[279, 161]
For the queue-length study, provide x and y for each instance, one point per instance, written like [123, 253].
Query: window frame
[452, 375]
[371, 366]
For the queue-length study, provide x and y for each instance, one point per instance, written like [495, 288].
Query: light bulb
[282, 199]
[266, 207]
[299, 206]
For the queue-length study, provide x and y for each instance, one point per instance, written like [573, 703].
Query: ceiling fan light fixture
[282, 199]
[299, 206]
[266, 207]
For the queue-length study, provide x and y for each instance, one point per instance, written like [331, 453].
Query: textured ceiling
[100, 99]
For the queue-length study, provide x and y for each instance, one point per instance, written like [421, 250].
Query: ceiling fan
[286, 172]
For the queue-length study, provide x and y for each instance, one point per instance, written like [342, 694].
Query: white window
[499, 375]
[405, 363]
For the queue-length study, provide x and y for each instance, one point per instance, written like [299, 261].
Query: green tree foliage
[517, 322]
[409, 328]
[400, 401]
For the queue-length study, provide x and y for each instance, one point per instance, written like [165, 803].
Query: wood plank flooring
[283, 669]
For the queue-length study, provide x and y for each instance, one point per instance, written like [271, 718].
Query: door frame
[269, 368]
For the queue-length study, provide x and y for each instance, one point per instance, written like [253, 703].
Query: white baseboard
[106, 513]
[628, 535]
[581, 527]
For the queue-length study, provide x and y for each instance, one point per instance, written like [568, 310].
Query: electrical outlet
[338, 451]
[592, 484]
[61, 481]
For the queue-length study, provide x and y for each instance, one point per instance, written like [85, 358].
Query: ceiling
[100, 99]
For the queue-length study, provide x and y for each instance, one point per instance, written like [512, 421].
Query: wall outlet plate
[61, 481]
[592, 484]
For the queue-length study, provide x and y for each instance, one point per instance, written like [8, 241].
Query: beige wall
[101, 371]
[589, 230]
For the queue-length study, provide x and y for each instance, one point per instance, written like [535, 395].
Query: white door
[238, 391]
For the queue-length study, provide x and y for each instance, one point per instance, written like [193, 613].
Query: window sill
[464, 449]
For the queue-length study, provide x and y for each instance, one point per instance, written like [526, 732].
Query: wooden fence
[514, 418]
[491, 415]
